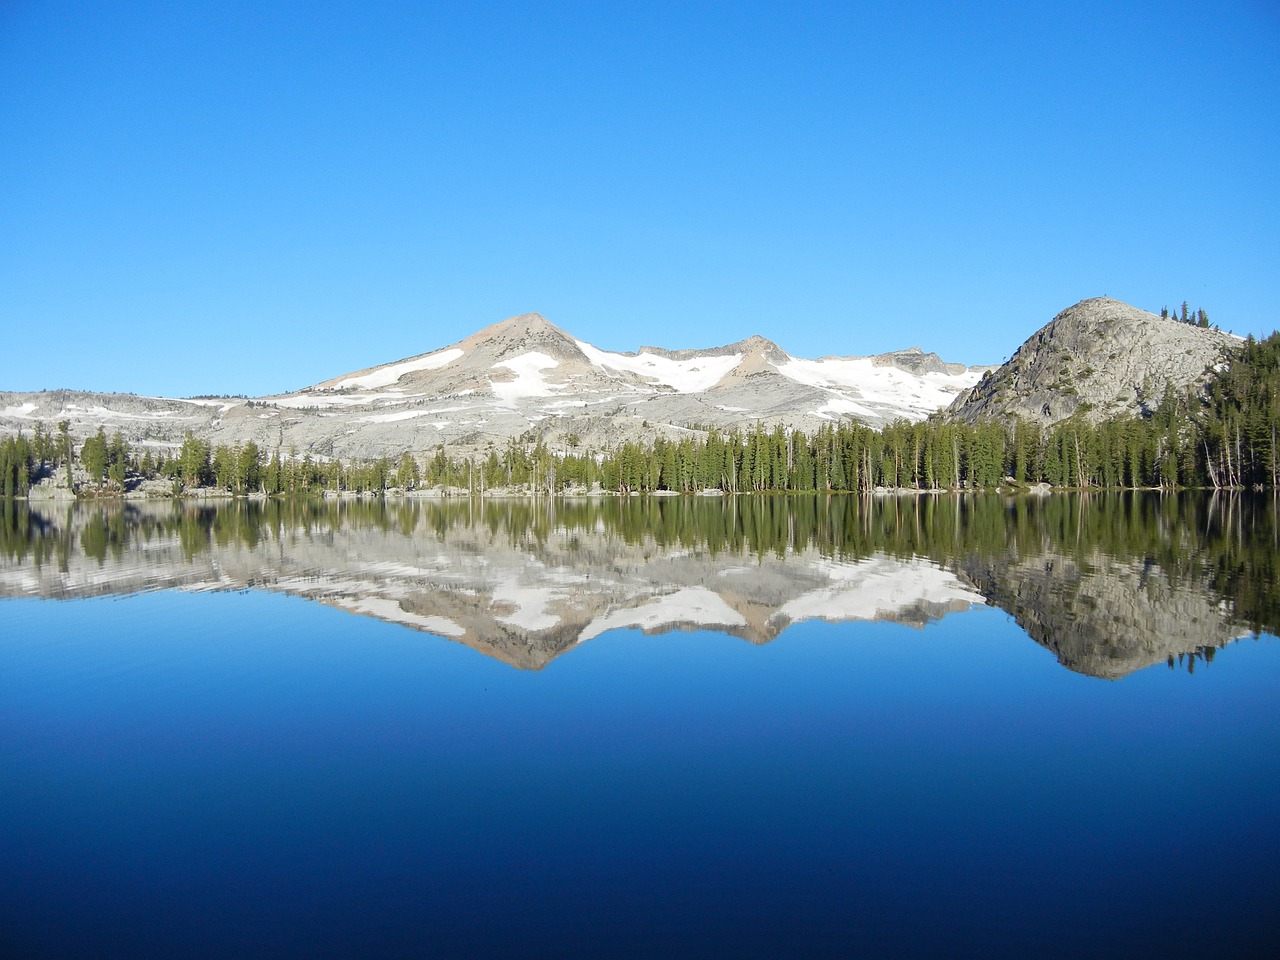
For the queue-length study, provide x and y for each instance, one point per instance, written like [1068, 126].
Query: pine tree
[93, 456]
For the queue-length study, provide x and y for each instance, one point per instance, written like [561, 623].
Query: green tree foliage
[1196, 318]
[16, 462]
[64, 449]
[1239, 430]
[195, 468]
[106, 461]
[248, 468]
[407, 475]
[117, 460]
[93, 456]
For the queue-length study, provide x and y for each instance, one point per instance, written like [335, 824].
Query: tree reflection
[1096, 578]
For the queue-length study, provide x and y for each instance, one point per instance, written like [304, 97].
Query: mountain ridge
[525, 378]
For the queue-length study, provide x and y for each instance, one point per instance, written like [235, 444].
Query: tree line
[1197, 318]
[1223, 438]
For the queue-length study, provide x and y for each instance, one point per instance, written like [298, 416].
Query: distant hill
[525, 378]
[1099, 358]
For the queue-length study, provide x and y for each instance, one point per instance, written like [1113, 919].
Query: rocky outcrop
[1100, 358]
[915, 360]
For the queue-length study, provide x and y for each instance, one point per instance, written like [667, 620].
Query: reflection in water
[1110, 584]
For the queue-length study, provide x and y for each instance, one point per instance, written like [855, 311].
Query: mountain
[524, 378]
[1099, 358]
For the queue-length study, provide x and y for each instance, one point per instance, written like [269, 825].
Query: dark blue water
[252, 775]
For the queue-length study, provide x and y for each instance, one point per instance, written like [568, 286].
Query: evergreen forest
[1224, 438]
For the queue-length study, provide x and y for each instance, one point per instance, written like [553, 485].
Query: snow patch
[107, 415]
[837, 406]
[874, 588]
[385, 376]
[564, 404]
[915, 396]
[696, 605]
[394, 417]
[529, 381]
[386, 569]
[201, 402]
[530, 603]
[303, 401]
[684, 376]
[385, 609]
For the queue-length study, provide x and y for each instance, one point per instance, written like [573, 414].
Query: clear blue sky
[247, 197]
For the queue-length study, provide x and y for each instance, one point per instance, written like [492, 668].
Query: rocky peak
[758, 346]
[753, 345]
[915, 360]
[526, 324]
[1098, 358]
[526, 333]
[1137, 614]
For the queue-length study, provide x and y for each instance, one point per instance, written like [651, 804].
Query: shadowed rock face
[1100, 357]
[525, 582]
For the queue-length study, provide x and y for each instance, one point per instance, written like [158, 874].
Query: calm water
[751, 728]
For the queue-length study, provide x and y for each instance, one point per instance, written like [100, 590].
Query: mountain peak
[756, 344]
[524, 324]
[1094, 309]
[1098, 358]
[526, 333]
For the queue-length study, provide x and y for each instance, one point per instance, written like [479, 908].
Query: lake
[966, 726]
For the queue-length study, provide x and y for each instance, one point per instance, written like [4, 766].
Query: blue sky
[250, 197]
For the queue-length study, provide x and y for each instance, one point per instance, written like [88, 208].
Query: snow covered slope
[525, 377]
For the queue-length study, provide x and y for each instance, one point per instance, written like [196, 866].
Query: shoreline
[221, 495]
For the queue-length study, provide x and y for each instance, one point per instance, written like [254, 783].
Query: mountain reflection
[1109, 584]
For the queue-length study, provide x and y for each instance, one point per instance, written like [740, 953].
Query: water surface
[965, 727]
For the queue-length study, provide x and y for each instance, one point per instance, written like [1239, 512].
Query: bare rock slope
[1100, 358]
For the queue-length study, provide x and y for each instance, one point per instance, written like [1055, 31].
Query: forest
[1223, 438]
